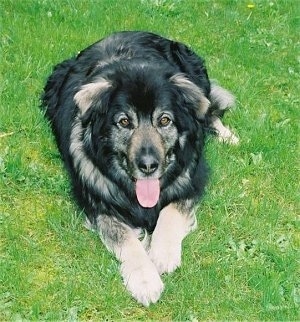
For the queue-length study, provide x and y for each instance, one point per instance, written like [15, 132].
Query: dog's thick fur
[129, 114]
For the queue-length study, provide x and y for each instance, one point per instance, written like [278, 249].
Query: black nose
[147, 164]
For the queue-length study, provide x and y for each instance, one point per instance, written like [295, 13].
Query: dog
[129, 114]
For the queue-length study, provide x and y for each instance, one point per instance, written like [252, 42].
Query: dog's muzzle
[147, 161]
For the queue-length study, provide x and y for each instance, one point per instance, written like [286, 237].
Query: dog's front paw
[166, 257]
[142, 280]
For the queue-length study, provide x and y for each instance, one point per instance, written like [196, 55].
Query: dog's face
[139, 123]
[144, 144]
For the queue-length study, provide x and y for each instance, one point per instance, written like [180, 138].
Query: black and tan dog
[129, 114]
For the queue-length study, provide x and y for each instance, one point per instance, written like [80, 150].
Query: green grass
[243, 261]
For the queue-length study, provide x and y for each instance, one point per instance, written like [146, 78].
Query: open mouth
[147, 189]
[147, 192]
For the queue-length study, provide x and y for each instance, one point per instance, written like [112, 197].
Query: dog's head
[140, 122]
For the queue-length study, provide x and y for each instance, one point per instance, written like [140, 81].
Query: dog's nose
[148, 164]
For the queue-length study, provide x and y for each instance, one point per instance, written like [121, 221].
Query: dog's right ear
[90, 93]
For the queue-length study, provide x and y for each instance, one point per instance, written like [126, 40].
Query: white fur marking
[171, 228]
[88, 225]
[139, 274]
[182, 140]
[224, 134]
[142, 279]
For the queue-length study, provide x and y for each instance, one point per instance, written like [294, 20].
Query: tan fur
[140, 275]
[192, 92]
[145, 135]
[88, 92]
[172, 226]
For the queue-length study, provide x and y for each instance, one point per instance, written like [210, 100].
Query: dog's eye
[164, 121]
[124, 122]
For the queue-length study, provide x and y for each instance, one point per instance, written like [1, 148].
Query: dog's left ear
[91, 92]
[191, 93]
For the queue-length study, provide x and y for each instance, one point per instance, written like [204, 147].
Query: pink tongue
[147, 192]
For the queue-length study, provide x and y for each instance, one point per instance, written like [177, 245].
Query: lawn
[242, 263]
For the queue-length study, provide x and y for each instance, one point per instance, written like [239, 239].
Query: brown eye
[124, 122]
[164, 121]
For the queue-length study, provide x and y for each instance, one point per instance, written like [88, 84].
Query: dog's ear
[191, 93]
[91, 92]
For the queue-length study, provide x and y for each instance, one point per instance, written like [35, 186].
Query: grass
[243, 261]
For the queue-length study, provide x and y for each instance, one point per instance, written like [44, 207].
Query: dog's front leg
[175, 221]
[139, 274]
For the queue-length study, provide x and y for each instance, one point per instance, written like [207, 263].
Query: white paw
[142, 280]
[166, 257]
[227, 136]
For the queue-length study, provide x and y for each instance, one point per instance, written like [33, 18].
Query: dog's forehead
[142, 105]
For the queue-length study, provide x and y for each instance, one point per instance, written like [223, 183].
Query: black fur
[139, 66]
